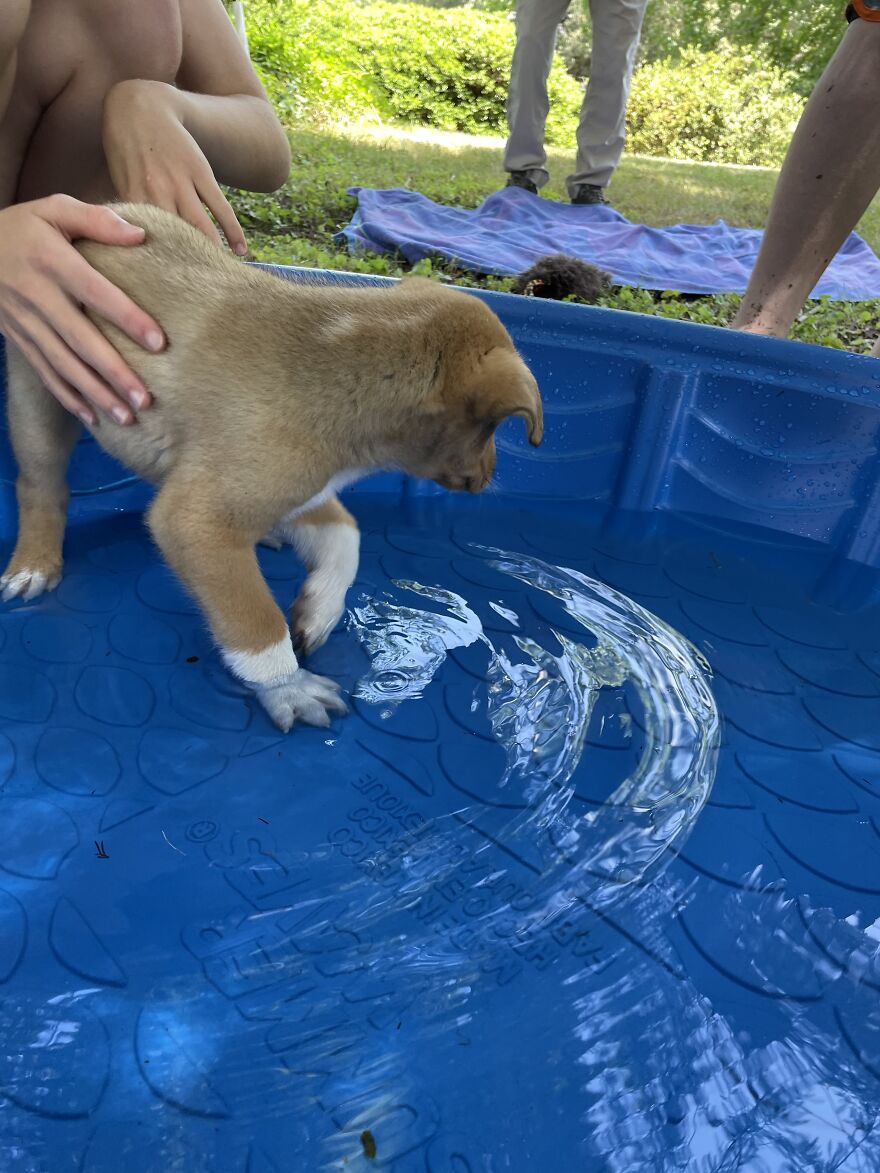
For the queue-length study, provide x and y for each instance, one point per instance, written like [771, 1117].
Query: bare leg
[43, 435]
[830, 175]
[327, 540]
[218, 564]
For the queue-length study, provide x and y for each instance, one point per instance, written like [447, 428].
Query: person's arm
[44, 281]
[223, 104]
[170, 145]
[828, 179]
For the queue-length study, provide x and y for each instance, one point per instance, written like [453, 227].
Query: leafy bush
[451, 69]
[332, 60]
[434, 67]
[724, 107]
[305, 54]
[797, 38]
[574, 41]
[481, 5]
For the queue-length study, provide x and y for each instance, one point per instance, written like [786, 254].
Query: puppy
[560, 276]
[269, 398]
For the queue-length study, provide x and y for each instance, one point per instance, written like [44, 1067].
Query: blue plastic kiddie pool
[589, 878]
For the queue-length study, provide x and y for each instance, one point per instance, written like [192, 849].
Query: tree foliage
[796, 38]
[326, 60]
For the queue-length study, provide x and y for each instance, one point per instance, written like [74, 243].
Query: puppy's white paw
[305, 697]
[27, 584]
[331, 552]
[316, 612]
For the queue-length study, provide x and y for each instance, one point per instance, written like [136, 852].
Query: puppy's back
[247, 353]
[184, 281]
[175, 269]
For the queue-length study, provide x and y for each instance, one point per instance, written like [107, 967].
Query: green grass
[296, 225]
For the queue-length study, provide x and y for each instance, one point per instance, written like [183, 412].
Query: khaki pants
[616, 28]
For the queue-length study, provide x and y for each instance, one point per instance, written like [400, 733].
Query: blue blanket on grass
[512, 228]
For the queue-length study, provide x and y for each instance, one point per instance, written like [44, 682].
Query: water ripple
[540, 703]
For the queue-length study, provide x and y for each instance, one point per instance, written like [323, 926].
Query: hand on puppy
[44, 282]
[154, 159]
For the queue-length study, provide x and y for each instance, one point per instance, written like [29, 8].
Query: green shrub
[305, 53]
[722, 107]
[445, 68]
[335, 60]
[481, 5]
[451, 69]
[799, 38]
[574, 41]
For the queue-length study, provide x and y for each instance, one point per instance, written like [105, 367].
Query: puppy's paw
[305, 697]
[316, 612]
[27, 584]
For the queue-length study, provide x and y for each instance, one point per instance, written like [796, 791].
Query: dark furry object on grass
[560, 276]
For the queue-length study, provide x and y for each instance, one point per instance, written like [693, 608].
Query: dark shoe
[589, 193]
[521, 179]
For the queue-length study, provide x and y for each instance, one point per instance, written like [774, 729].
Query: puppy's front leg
[328, 541]
[216, 560]
[43, 436]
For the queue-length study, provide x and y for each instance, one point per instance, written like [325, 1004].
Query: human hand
[154, 159]
[45, 282]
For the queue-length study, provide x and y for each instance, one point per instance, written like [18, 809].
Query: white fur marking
[337, 330]
[338, 482]
[272, 666]
[331, 553]
[287, 693]
[407, 317]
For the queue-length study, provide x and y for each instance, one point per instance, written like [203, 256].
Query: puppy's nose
[477, 482]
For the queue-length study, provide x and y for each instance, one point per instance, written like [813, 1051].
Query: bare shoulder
[214, 60]
[13, 20]
[14, 16]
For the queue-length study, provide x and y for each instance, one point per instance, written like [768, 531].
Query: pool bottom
[223, 949]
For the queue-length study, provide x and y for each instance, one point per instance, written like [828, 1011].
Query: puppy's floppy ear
[503, 387]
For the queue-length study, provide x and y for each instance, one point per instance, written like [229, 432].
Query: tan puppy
[270, 397]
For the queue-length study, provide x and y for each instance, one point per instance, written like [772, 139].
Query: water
[540, 704]
[589, 879]
[728, 1056]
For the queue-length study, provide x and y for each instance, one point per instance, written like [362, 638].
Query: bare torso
[72, 53]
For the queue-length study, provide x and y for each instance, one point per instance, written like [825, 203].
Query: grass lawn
[296, 225]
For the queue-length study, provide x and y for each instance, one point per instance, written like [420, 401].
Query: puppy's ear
[504, 386]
